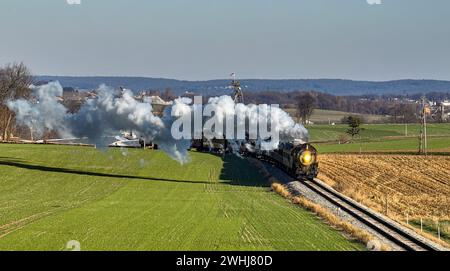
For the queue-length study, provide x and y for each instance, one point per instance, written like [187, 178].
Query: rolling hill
[218, 87]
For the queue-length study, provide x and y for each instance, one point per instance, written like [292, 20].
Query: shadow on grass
[239, 171]
[20, 164]
[235, 171]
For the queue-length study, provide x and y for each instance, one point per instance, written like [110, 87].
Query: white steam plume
[108, 115]
[98, 118]
[279, 121]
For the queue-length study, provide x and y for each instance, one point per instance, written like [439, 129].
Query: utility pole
[439, 232]
[386, 204]
[423, 129]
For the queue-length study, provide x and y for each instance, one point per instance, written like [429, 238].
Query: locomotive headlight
[306, 158]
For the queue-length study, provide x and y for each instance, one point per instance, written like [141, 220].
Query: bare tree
[305, 106]
[168, 95]
[15, 80]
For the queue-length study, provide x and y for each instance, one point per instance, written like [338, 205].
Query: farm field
[407, 145]
[414, 187]
[124, 199]
[320, 133]
[379, 137]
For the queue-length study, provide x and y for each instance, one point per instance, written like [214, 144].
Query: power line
[423, 145]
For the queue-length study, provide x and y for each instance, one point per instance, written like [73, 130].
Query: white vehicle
[127, 140]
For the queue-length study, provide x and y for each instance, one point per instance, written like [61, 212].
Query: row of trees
[15, 81]
[400, 110]
[305, 107]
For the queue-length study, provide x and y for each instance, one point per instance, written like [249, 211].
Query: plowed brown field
[412, 186]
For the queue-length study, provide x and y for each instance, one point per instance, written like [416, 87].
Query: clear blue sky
[208, 39]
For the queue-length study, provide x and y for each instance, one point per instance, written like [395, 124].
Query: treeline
[400, 108]
[16, 78]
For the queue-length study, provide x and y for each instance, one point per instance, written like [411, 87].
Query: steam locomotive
[296, 158]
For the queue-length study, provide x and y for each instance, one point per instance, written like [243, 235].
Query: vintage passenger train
[299, 160]
[296, 158]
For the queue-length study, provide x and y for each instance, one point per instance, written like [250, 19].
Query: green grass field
[380, 137]
[142, 200]
[431, 227]
[373, 137]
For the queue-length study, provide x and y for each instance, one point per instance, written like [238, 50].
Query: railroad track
[385, 227]
[379, 224]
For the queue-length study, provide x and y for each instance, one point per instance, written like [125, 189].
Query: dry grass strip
[356, 233]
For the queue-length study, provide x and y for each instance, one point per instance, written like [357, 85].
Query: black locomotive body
[296, 158]
[299, 160]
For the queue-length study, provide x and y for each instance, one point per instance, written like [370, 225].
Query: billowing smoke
[44, 113]
[274, 124]
[109, 114]
[98, 118]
